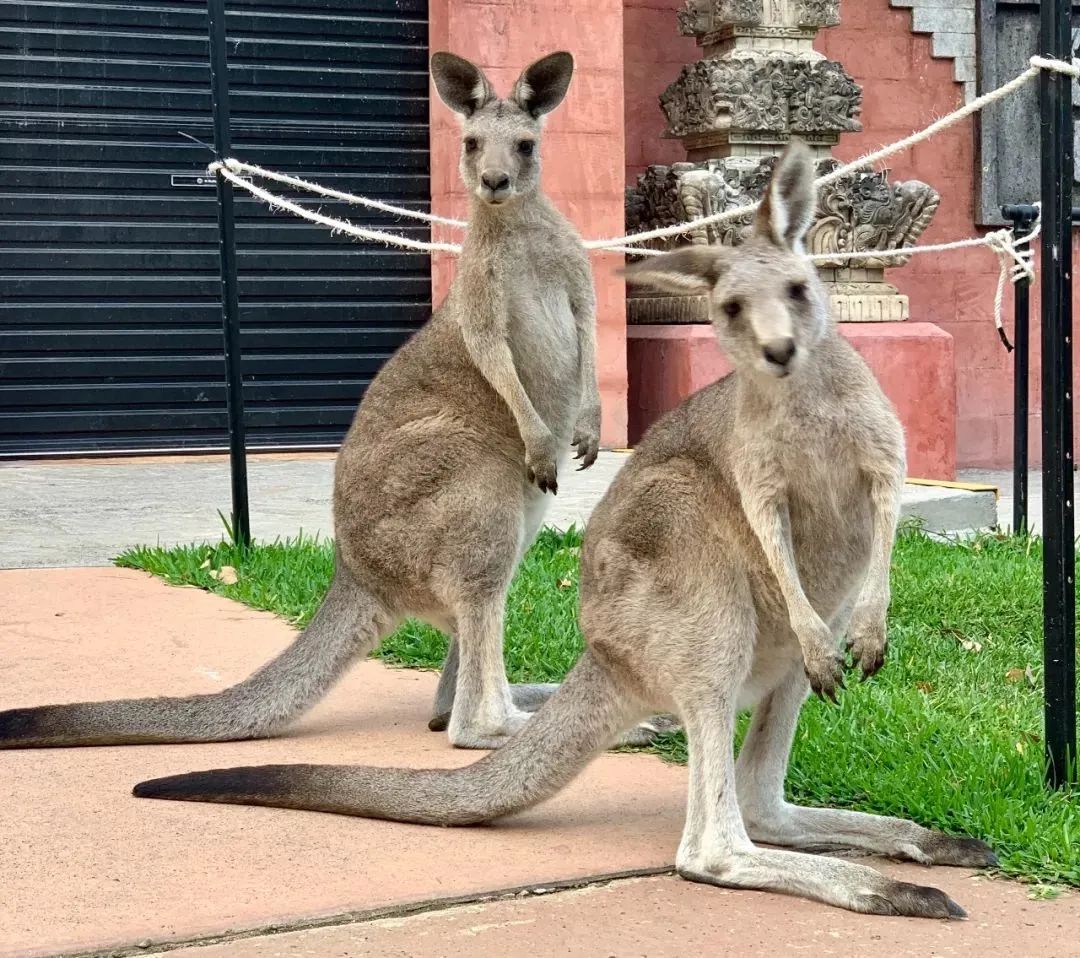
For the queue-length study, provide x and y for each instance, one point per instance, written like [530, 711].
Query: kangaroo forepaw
[544, 475]
[868, 644]
[541, 463]
[586, 448]
[826, 673]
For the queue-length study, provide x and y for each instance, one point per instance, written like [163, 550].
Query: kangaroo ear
[542, 86]
[787, 209]
[694, 269]
[461, 85]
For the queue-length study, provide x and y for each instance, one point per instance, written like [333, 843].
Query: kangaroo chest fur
[829, 509]
[813, 460]
[543, 341]
[531, 265]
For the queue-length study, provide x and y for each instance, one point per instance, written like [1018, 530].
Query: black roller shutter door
[110, 328]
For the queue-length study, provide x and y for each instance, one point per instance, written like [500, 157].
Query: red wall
[904, 88]
[581, 139]
[655, 53]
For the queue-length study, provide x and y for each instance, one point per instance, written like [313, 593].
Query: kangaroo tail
[581, 718]
[345, 627]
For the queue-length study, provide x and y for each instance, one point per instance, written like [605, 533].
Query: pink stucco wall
[904, 88]
[582, 148]
[655, 53]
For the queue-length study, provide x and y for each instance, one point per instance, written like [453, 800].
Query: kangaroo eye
[732, 308]
[471, 144]
[797, 292]
[525, 147]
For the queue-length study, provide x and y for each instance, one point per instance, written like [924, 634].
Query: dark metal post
[1022, 217]
[230, 300]
[1059, 597]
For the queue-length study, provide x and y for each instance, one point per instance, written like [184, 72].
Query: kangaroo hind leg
[716, 847]
[526, 697]
[760, 773]
[483, 714]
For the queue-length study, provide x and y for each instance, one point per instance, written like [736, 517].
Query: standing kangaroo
[751, 530]
[440, 484]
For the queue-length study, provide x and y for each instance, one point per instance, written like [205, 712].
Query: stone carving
[700, 17]
[739, 11]
[759, 83]
[776, 93]
[871, 300]
[690, 18]
[674, 194]
[860, 212]
[818, 13]
[823, 98]
[864, 212]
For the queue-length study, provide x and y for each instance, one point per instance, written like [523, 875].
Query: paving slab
[85, 512]
[947, 509]
[85, 866]
[79, 513]
[665, 917]
[1003, 480]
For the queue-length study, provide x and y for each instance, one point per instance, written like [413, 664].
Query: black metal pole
[230, 300]
[1022, 217]
[1059, 560]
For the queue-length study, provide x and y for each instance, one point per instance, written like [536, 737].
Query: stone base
[913, 362]
[866, 303]
[849, 302]
[646, 308]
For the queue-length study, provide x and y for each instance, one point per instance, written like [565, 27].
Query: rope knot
[1016, 262]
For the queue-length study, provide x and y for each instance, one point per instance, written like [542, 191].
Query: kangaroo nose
[495, 180]
[779, 351]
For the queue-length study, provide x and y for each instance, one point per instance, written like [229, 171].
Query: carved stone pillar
[758, 83]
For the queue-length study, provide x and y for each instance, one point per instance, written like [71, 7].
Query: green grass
[949, 733]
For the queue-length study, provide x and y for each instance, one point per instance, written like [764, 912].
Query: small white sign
[197, 180]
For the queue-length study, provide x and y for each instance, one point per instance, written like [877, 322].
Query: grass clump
[949, 733]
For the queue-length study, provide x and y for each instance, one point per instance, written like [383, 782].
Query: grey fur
[749, 533]
[440, 484]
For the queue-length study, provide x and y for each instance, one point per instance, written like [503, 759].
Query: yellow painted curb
[966, 486]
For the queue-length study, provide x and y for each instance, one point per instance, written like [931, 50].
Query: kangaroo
[441, 482]
[751, 530]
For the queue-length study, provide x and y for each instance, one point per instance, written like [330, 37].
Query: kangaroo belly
[543, 338]
[832, 545]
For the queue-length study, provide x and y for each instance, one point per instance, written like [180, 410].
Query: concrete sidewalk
[85, 869]
[83, 513]
[1002, 479]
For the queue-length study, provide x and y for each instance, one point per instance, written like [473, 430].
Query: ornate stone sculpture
[760, 82]
[754, 94]
[700, 18]
[818, 13]
[862, 211]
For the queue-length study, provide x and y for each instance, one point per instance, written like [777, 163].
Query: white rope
[237, 166]
[1036, 64]
[1014, 254]
[334, 225]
